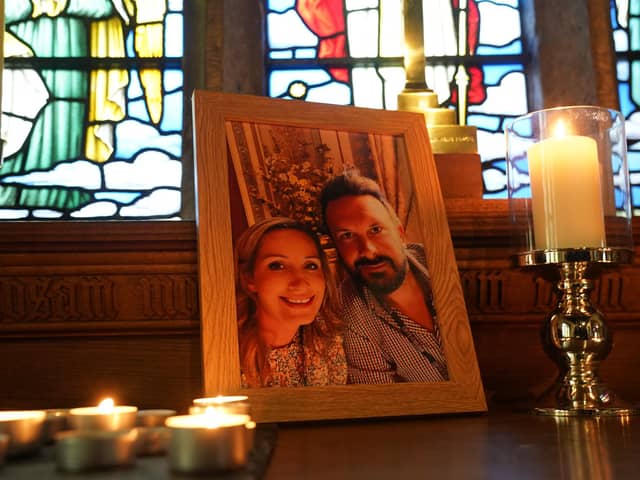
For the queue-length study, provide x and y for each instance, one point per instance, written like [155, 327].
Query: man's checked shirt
[382, 344]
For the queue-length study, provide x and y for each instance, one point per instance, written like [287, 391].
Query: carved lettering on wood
[607, 292]
[483, 290]
[545, 296]
[56, 299]
[169, 297]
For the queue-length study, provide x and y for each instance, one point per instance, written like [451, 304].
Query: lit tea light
[238, 404]
[153, 436]
[24, 429]
[106, 416]
[4, 443]
[80, 450]
[54, 422]
[210, 441]
[153, 417]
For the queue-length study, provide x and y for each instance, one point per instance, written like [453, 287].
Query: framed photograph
[259, 160]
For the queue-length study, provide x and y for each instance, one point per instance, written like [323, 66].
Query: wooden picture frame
[215, 187]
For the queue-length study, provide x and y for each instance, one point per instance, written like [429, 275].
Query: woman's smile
[299, 301]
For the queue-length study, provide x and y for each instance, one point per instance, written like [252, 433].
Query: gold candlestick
[575, 334]
[461, 76]
[445, 135]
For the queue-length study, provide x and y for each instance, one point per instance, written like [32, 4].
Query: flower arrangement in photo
[294, 172]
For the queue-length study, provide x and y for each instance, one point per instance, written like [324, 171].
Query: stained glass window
[350, 52]
[625, 18]
[92, 110]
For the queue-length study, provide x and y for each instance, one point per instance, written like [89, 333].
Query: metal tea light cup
[81, 450]
[95, 418]
[153, 417]
[4, 444]
[197, 446]
[24, 429]
[153, 436]
[55, 421]
[238, 404]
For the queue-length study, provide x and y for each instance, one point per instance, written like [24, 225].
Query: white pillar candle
[566, 193]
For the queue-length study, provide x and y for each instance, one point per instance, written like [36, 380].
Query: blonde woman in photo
[288, 329]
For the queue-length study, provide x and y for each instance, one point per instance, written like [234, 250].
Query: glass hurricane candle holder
[569, 200]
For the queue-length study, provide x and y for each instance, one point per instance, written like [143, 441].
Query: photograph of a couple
[331, 278]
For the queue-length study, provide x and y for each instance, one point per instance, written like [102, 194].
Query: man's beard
[381, 283]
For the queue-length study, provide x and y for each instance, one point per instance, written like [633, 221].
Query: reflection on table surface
[493, 446]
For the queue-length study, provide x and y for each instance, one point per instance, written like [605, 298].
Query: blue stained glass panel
[174, 26]
[635, 196]
[626, 36]
[494, 74]
[136, 136]
[280, 5]
[334, 92]
[134, 89]
[280, 80]
[175, 5]
[281, 54]
[288, 30]
[306, 52]
[46, 214]
[173, 80]
[485, 122]
[619, 198]
[514, 48]
[172, 118]
[633, 160]
[121, 197]
[138, 110]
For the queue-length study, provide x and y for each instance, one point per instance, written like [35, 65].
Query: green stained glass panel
[75, 73]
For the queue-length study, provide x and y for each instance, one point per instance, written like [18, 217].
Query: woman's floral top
[297, 365]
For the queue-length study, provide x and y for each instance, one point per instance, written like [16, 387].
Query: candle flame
[106, 405]
[212, 417]
[560, 130]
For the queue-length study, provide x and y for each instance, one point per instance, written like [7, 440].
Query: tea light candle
[566, 193]
[24, 429]
[4, 443]
[153, 417]
[211, 441]
[106, 416]
[54, 422]
[79, 450]
[153, 436]
[226, 403]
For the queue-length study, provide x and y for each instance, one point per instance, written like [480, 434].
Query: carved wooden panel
[508, 294]
[87, 310]
[98, 298]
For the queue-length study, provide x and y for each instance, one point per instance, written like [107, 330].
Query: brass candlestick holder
[575, 334]
[569, 199]
[446, 135]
